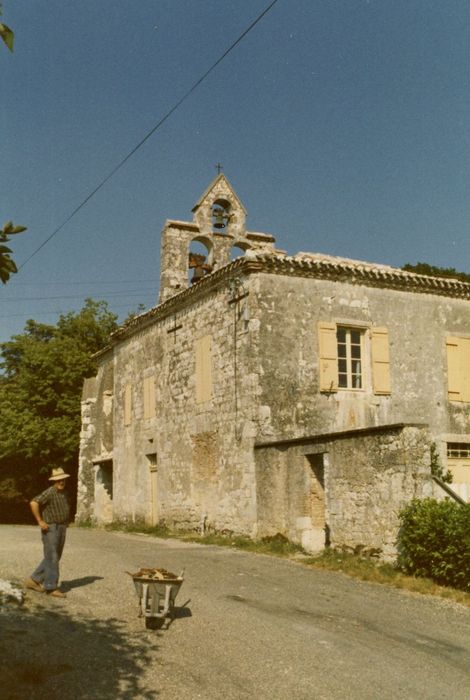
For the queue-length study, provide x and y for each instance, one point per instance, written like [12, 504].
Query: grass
[278, 545]
[363, 568]
[374, 571]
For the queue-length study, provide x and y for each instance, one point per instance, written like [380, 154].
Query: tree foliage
[434, 541]
[40, 390]
[7, 264]
[6, 34]
[432, 271]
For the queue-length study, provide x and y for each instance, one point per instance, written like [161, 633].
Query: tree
[432, 271]
[6, 34]
[40, 390]
[7, 264]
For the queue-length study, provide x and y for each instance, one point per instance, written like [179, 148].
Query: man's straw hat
[58, 474]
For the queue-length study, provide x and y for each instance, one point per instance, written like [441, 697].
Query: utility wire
[123, 293]
[150, 133]
[66, 311]
[82, 282]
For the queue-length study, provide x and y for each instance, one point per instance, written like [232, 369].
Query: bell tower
[218, 227]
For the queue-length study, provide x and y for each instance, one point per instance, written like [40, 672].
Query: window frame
[348, 343]
[374, 358]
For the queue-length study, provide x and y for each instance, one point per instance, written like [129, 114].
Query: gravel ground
[246, 626]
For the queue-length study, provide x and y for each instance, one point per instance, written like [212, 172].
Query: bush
[434, 542]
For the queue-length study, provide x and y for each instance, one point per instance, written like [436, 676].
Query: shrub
[434, 541]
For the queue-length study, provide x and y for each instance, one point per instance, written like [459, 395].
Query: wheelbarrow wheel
[154, 623]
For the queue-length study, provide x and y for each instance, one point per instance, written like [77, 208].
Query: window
[353, 358]
[456, 450]
[127, 404]
[349, 342]
[458, 368]
[203, 369]
[149, 397]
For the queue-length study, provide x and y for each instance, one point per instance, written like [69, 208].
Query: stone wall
[288, 309]
[96, 440]
[201, 454]
[368, 476]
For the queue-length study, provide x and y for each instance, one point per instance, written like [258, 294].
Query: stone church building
[268, 393]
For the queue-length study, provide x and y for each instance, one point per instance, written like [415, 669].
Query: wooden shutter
[328, 357]
[149, 397]
[127, 404]
[458, 368]
[203, 369]
[465, 365]
[454, 381]
[380, 361]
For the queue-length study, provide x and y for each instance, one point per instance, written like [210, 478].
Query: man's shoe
[34, 585]
[57, 593]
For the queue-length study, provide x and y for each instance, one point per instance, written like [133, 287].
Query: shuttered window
[342, 354]
[350, 353]
[458, 368]
[203, 349]
[149, 397]
[380, 361]
[127, 404]
[328, 359]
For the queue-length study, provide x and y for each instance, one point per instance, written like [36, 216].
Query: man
[51, 510]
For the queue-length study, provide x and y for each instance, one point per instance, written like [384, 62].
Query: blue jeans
[53, 542]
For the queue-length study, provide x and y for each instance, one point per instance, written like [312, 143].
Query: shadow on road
[163, 623]
[48, 654]
[78, 582]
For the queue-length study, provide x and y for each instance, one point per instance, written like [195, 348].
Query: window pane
[357, 381]
[356, 366]
[341, 334]
[355, 351]
[356, 337]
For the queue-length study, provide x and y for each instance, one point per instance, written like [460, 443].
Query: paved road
[248, 626]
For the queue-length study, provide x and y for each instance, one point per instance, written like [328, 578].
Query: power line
[79, 296]
[57, 312]
[94, 282]
[150, 133]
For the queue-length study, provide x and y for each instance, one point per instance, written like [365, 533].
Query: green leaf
[5, 249]
[7, 35]
[4, 275]
[18, 229]
[10, 264]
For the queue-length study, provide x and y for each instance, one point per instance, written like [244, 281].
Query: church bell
[219, 218]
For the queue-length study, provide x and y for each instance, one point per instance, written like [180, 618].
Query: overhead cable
[150, 133]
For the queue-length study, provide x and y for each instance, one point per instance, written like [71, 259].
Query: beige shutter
[454, 379]
[149, 397]
[465, 364]
[328, 358]
[458, 368]
[127, 404]
[380, 360]
[203, 369]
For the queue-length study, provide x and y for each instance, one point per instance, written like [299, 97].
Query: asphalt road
[247, 626]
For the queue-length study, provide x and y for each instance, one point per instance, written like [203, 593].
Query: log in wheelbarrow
[156, 590]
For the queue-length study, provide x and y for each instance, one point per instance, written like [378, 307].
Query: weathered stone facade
[353, 482]
[276, 394]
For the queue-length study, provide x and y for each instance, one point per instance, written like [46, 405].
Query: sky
[342, 125]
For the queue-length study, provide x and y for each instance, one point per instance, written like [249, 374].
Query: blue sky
[343, 126]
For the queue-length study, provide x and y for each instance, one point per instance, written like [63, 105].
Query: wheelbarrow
[156, 590]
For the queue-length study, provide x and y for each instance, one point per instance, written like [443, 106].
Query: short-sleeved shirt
[54, 506]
